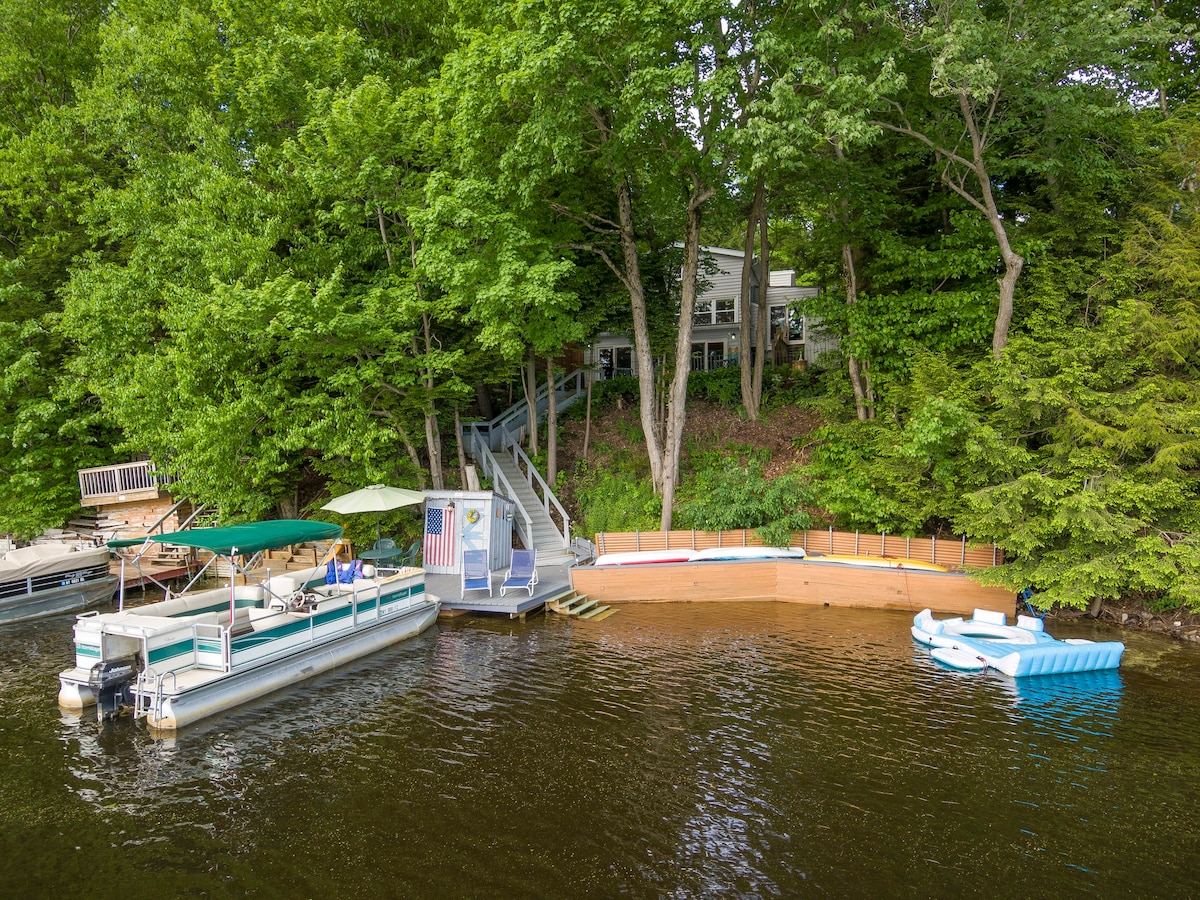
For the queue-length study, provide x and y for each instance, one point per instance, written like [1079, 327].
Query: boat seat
[1030, 623]
[282, 586]
[263, 619]
[927, 623]
[990, 617]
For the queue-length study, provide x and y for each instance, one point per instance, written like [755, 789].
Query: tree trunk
[1013, 262]
[551, 426]
[763, 325]
[677, 400]
[641, 333]
[483, 397]
[413, 456]
[744, 358]
[462, 450]
[864, 404]
[433, 439]
[531, 401]
[587, 422]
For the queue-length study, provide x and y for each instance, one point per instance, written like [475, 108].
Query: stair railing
[567, 388]
[541, 490]
[502, 435]
[477, 447]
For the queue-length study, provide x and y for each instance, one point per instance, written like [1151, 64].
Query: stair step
[598, 614]
[583, 607]
[560, 601]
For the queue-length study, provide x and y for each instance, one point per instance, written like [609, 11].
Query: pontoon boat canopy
[250, 538]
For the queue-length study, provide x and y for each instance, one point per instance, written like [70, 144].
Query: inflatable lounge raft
[986, 640]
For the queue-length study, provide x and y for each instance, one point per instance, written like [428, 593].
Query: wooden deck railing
[124, 481]
[952, 553]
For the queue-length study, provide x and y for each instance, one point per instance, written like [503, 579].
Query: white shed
[466, 520]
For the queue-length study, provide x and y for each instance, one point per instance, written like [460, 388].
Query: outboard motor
[110, 681]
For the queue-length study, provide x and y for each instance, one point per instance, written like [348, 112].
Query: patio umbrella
[375, 498]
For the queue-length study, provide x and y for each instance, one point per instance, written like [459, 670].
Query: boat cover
[47, 559]
[227, 540]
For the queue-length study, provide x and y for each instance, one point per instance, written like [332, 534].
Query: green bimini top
[251, 538]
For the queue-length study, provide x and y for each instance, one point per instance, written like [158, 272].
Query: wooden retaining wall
[793, 581]
[951, 553]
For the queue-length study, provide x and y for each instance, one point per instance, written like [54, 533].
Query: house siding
[611, 350]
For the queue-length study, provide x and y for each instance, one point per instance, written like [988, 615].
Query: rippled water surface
[673, 750]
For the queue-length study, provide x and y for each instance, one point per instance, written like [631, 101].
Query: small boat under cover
[48, 579]
[986, 640]
[189, 656]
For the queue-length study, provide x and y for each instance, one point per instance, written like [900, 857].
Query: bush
[616, 500]
[740, 497]
[720, 386]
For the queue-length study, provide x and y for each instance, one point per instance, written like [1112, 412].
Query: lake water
[672, 750]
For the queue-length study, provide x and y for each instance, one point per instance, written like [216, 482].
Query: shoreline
[1178, 623]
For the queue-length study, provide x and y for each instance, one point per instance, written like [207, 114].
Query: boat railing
[211, 642]
[151, 687]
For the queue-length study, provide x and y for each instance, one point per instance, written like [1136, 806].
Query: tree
[50, 426]
[992, 70]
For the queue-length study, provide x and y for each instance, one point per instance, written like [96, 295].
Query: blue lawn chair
[523, 573]
[475, 573]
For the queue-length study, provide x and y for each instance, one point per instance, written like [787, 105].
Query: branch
[605, 258]
[586, 221]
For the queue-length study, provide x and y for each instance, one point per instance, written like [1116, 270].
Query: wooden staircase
[571, 603]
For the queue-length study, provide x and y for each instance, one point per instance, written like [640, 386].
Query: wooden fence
[949, 552]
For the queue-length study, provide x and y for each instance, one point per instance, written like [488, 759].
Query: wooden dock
[553, 582]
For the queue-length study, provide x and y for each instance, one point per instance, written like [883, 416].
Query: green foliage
[616, 499]
[266, 244]
[606, 393]
[730, 497]
[785, 386]
[721, 386]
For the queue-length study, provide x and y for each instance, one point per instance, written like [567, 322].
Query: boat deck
[552, 582]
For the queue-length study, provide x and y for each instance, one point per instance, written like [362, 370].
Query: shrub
[740, 497]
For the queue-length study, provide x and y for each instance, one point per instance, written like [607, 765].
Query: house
[716, 321]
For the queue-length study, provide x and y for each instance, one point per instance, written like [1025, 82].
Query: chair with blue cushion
[523, 573]
[475, 573]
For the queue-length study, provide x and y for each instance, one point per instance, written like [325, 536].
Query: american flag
[439, 536]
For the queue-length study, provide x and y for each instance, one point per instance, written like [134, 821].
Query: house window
[787, 319]
[615, 361]
[708, 355]
[715, 312]
[624, 361]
